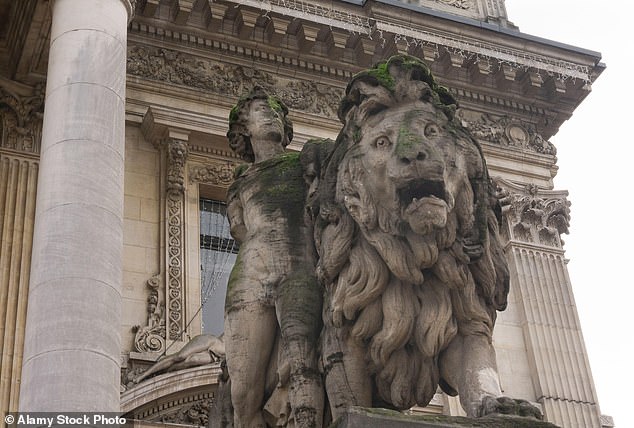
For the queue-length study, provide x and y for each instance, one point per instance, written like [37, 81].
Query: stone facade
[187, 62]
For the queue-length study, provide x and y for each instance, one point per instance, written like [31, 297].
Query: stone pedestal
[357, 417]
[72, 345]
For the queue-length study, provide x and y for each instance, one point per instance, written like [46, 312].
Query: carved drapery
[217, 173]
[506, 132]
[151, 337]
[21, 120]
[229, 80]
[533, 215]
[176, 158]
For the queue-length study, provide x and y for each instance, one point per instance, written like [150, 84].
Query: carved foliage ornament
[534, 216]
[508, 132]
[216, 173]
[178, 68]
[21, 120]
[176, 158]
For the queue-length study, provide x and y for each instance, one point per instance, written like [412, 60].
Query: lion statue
[407, 235]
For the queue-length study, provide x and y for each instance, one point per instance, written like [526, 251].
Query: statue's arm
[235, 213]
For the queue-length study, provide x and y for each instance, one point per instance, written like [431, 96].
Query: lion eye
[382, 143]
[432, 130]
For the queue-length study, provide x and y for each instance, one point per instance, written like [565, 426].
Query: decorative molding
[176, 159]
[383, 30]
[151, 338]
[170, 66]
[194, 413]
[507, 132]
[21, 118]
[213, 172]
[460, 4]
[534, 215]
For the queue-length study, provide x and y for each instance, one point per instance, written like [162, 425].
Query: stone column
[72, 344]
[562, 378]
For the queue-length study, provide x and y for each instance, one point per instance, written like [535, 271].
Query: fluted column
[72, 344]
[562, 378]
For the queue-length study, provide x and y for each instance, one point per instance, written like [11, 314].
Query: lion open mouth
[423, 204]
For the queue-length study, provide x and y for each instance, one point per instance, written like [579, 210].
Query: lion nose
[417, 156]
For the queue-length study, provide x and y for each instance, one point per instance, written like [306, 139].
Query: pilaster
[72, 343]
[21, 126]
[534, 221]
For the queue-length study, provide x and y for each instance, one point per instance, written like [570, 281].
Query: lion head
[408, 234]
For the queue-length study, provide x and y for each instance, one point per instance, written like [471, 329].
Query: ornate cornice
[170, 66]
[533, 215]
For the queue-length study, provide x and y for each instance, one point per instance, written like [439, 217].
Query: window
[218, 252]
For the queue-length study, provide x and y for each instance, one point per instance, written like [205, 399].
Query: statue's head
[258, 114]
[402, 147]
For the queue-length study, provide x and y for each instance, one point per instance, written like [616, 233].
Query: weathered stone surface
[370, 418]
[405, 223]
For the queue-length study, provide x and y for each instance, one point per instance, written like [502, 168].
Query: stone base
[357, 417]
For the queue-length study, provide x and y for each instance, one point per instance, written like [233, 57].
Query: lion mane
[403, 288]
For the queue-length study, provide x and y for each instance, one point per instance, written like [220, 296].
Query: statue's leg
[348, 382]
[299, 311]
[468, 365]
[250, 327]
[159, 366]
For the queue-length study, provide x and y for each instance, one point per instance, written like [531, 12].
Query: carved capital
[177, 152]
[21, 113]
[533, 215]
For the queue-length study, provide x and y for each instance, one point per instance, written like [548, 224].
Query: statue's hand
[509, 406]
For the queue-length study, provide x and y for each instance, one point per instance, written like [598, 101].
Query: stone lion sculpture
[407, 235]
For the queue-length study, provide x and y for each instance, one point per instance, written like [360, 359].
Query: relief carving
[176, 157]
[196, 414]
[230, 80]
[534, 215]
[506, 132]
[216, 173]
[21, 120]
[151, 338]
[460, 4]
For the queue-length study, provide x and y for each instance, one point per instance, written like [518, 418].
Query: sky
[595, 151]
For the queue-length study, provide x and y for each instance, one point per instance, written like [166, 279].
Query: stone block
[357, 417]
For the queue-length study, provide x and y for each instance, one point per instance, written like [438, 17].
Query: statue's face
[264, 123]
[411, 161]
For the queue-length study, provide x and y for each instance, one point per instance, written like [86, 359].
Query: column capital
[534, 215]
[130, 6]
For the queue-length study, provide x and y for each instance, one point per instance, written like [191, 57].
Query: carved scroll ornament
[151, 338]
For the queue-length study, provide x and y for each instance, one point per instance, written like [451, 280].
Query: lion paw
[509, 406]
